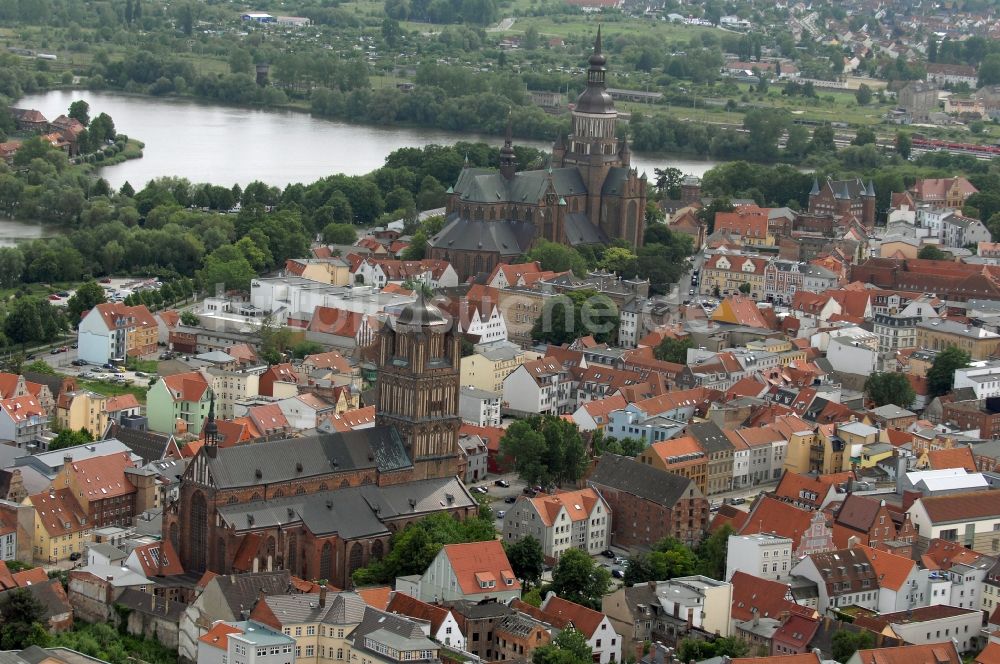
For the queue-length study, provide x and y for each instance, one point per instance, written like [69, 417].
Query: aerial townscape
[499, 331]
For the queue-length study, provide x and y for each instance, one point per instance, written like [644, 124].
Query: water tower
[262, 70]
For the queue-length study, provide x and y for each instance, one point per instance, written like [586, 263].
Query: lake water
[225, 145]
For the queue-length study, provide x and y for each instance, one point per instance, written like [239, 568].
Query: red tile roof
[956, 457]
[22, 408]
[376, 597]
[955, 507]
[578, 505]
[764, 598]
[8, 384]
[189, 386]
[336, 322]
[218, 635]
[475, 562]
[100, 478]
[770, 515]
[158, 559]
[59, 512]
[584, 619]
[747, 221]
[891, 570]
[412, 607]
[330, 360]
[799, 488]
[599, 409]
[352, 419]
[112, 311]
[121, 402]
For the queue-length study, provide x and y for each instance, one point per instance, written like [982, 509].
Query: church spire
[508, 160]
[211, 428]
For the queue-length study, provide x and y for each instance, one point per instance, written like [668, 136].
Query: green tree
[864, 136]
[696, 649]
[558, 258]
[673, 350]
[80, 110]
[527, 559]
[531, 38]
[863, 95]
[845, 643]
[823, 139]
[669, 558]
[190, 318]
[579, 579]
[570, 316]
[240, 61]
[228, 266]
[619, 260]
[904, 144]
[20, 616]
[339, 234]
[70, 438]
[889, 388]
[941, 375]
[544, 449]
[33, 320]
[932, 253]
[712, 553]
[989, 70]
[84, 299]
[569, 647]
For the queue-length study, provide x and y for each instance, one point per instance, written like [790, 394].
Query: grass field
[113, 390]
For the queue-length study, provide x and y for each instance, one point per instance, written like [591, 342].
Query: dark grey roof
[49, 594]
[480, 185]
[151, 604]
[506, 237]
[375, 620]
[350, 512]
[710, 436]
[241, 591]
[579, 230]
[34, 654]
[286, 460]
[340, 608]
[617, 177]
[628, 475]
[149, 445]
[480, 610]
[847, 188]
[421, 312]
[518, 624]
[53, 381]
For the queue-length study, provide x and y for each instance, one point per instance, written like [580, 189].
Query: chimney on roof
[322, 595]
[260, 595]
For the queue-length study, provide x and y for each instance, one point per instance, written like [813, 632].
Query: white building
[245, 642]
[605, 643]
[284, 296]
[540, 387]
[113, 330]
[703, 602]
[479, 407]
[849, 355]
[569, 520]
[474, 571]
[982, 376]
[761, 555]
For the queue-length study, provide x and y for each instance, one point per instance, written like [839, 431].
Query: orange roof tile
[121, 402]
[892, 570]
[804, 658]
[158, 559]
[939, 653]
[376, 597]
[218, 635]
[189, 386]
[23, 408]
[8, 384]
[137, 316]
[956, 457]
[770, 515]
[412, 607]
[578, 505]
[59, 512]
[99, 478]
[585, 620]
[481, 558]
[352, 419]
[764, 598]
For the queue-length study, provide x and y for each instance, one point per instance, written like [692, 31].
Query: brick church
[323, 505]
[844, 200]
[589, 195]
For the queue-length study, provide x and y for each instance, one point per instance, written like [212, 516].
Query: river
[225, 145]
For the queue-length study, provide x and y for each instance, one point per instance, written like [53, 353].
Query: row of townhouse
[772, 280]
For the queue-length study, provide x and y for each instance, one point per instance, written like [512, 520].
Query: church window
[326, 561]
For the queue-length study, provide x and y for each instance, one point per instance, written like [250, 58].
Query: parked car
[86, 374]
[501, 514]
[608, 553]
[63, 293]
[74, 556]
[510, 500]
[78, 362]
[528, 491]
[503, 483]
[54, 351]
[618, 574]
[620, 560]
[106, 280]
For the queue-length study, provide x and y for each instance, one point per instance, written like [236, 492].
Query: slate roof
[508, 238]
[389, 625]
[340, 609]
[628, 475]
[350, 512]
[50, 594]
[286, 460]
[710, 437]
[151, 604]
[481, 185]
[858, 512]
[240, 591]
[579, 230]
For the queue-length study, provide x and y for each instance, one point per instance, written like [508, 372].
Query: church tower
[417, 387]
[593, 144]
